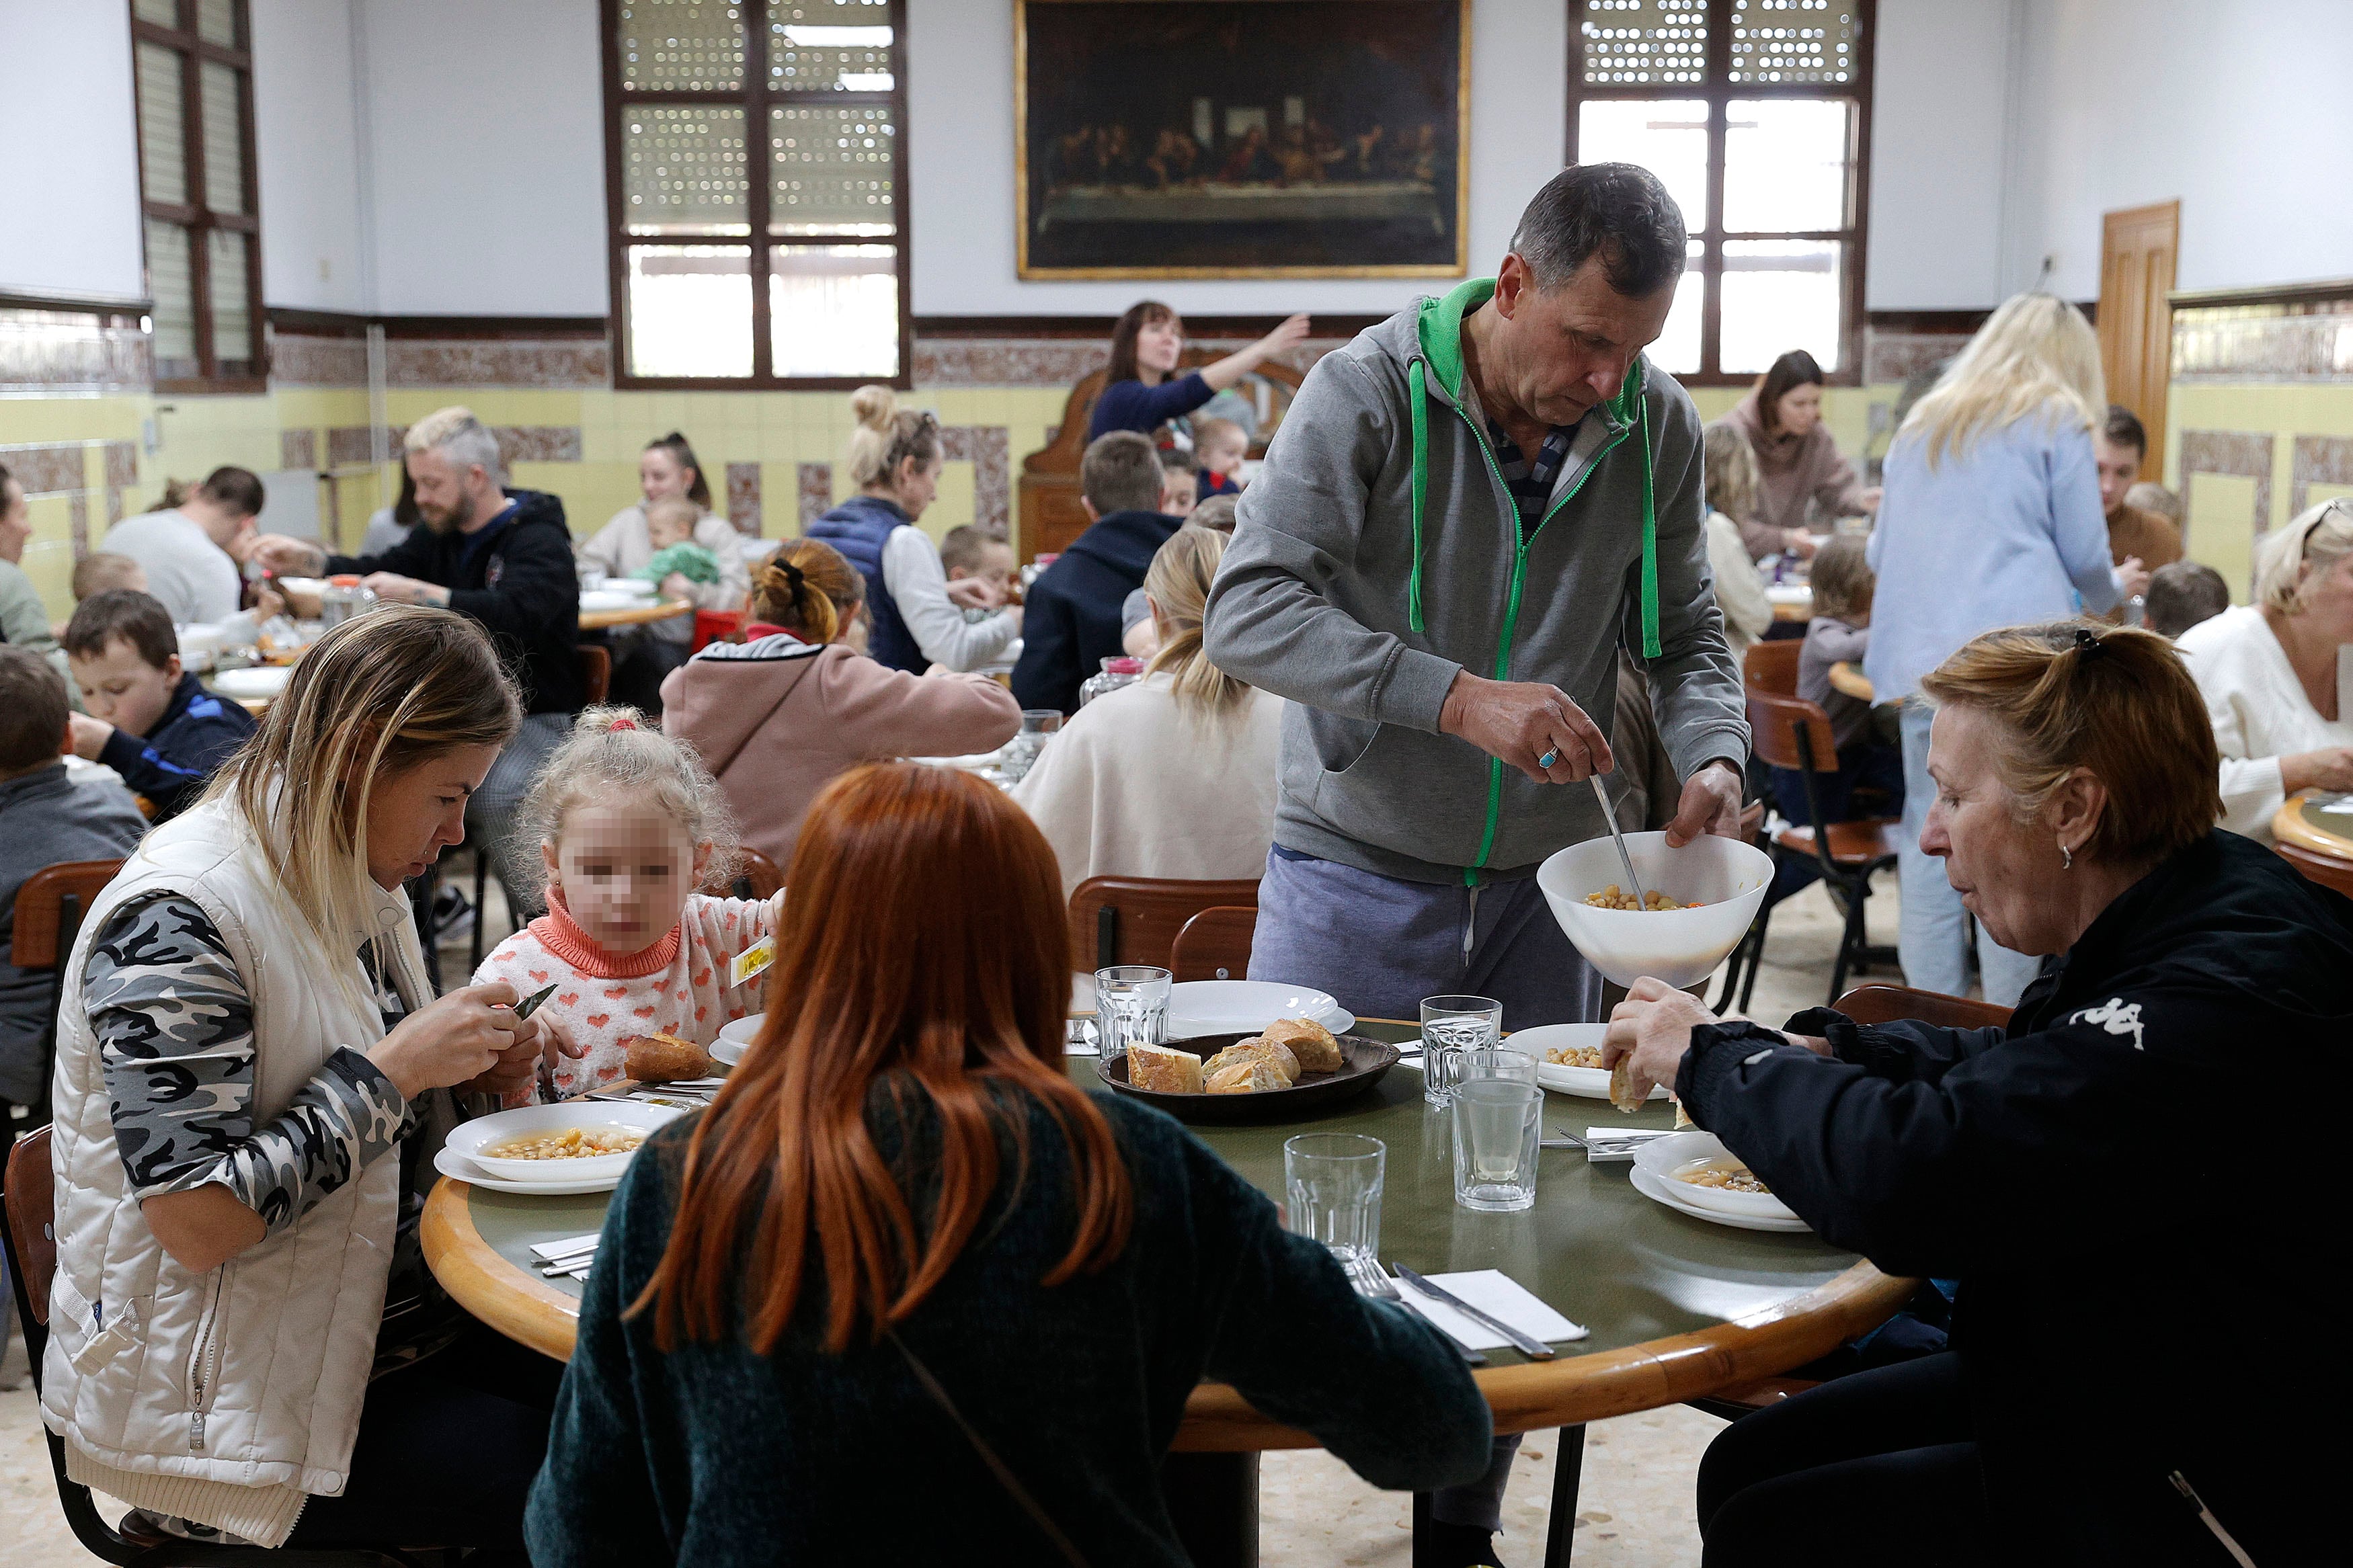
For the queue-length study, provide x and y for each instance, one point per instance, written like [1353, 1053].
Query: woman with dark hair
[1796, 460]
[1141, 390]
[643, 654]
[903, 1246]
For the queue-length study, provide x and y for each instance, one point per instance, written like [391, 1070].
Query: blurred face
[2120, 470]
[995, 567]
[123, 688]
[1800, 410]
[1559, 353]
[660, 474]
[1177, 491]
[1159, 346]
[666, 528]
[1222, 453]
[1998, 863]
[448, 496]
[626, 871]
[417, 812]
[2328, 599]
[917, 484]
[15, 520]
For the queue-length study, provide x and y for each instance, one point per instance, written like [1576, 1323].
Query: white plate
[1587, 1083]
[471, 1138]
[253, 684]
[735, 1039]
[1660, 1190]
[1788, 594]
[308, 587]
[451, 1163]
[611, 599]
[1230, 1006]
[1662, 1157]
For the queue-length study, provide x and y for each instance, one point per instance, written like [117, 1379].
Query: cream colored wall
[2221, 518]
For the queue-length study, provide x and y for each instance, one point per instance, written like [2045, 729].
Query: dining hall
[1437, 783]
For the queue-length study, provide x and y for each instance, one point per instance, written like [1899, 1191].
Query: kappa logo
[2114, 1018]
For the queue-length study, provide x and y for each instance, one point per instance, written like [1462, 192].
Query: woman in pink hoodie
[776, 716]
[1796, 460]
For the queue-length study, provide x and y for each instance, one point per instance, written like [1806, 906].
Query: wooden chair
[50, 910]
[1136, 920]
[2326, 869]
[596, 672]
[29, 1236]
[595, 685]
[756, 876]
[1215, 944]
[1772, 667]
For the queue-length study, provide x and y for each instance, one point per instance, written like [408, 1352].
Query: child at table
[669, 529]
[1869, 777]
[150, 721]
[1219, 446]
[630, 824]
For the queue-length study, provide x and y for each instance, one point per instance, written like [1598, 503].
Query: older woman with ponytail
[2066, 1168]
[776, 716]
[1172, 776]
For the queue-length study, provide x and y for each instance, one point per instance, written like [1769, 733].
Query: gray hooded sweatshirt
[1342, 595]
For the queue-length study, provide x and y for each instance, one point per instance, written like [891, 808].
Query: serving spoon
[1641, 899]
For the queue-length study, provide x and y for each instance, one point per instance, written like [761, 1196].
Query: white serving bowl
[1681, 947]
[735, 1039]
[1683, 1151]
[471, 1138]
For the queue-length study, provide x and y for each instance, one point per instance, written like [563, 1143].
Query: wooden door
[2137, 251]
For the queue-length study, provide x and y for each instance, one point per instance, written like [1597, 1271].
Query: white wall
[68, 152]
[1937, 152]
[2241, 108]
[486, 130]
[305, 131]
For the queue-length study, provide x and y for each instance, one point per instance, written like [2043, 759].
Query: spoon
[1624, 858]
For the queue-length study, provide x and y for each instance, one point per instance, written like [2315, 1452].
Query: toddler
[101, 570]
[629, 825]
[1220, 445]
[1869, 765]
[669, 528]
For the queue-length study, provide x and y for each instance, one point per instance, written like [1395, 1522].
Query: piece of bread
[666, 1058]
[1257, 1047]
[1311, 1042]
[1164, 1070]
[1622, 1086]
[1254, 1074]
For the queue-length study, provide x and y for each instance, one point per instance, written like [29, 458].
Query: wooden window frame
[755, 99]
[1717, 89]
[196, 217]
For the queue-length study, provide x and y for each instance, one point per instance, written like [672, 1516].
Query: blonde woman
[1732, 489]
[1172, 776]
[252, 1079]
[1990, 517]
[2277, 674]
[918, 615]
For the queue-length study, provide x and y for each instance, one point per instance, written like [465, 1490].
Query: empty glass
[1331, 1182]
[1496, 1121]
[1131, 1008]
[1451, 1024]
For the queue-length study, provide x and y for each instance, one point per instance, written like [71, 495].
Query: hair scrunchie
[2089, 643]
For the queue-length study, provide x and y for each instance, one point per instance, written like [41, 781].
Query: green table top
[1594, 1248]
[2314, 809]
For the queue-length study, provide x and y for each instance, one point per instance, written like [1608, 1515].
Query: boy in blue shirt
[147, 720]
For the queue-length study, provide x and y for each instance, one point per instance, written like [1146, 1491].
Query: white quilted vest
[227, 1397]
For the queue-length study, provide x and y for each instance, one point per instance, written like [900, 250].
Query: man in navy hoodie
[149, 720]
[1070, 622]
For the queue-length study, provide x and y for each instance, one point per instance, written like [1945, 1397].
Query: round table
[635, 615]
[2316, 840]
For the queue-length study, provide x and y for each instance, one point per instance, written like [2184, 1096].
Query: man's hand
[975, 594]
[1654, 1026]
[290, 557]
[393, 588]
[89, 735]
[1710, 804]
[1533, 726]
[2132, 578]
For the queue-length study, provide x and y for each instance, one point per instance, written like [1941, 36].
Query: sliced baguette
[1164, 1070]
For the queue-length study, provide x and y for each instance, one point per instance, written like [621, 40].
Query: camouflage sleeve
[174, 1029]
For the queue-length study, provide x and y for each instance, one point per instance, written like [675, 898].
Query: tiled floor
[1634, 1500]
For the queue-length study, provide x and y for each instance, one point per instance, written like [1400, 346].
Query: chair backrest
[1215, 944]
[1135, 919]
[1775, 725]
[50, 907]
[1772, 666]
[1886, 1004]
[2326, 869]
[28, 1210]
[714, 625]
[596, 672]
[756, 876]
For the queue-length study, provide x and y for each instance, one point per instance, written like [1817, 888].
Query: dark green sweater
[713, 1454]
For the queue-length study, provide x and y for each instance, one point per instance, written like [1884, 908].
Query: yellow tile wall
[2220, 506]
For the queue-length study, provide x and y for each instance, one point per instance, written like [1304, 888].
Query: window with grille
[193, 69]
[1757, 115]
[756, 158]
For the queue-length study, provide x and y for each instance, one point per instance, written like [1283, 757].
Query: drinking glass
[1333, 1183]
[1131, 1008]
[1495, 1124]
[1020, 754]
[1452, 1025]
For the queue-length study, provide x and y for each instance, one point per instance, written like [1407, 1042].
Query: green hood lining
[1439, 333]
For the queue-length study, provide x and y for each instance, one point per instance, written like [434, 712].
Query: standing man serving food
[1465, 513]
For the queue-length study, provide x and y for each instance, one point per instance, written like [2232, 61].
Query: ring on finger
[1549, 758]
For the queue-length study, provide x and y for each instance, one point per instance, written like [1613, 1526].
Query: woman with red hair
[906, 1293]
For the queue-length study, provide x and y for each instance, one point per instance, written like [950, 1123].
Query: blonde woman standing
[1172, 776]
[246, 1338]
[1992, 517]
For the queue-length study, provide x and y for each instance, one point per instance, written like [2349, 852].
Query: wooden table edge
[2289, 826]
[635, 616]
[500, 1292]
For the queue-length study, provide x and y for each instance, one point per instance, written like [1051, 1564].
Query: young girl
[629, 825]
[1841, 630]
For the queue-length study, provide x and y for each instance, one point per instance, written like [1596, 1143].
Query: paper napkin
[1496, 1292]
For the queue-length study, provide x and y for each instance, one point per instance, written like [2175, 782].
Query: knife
[530, 1005]
[1527, 1345]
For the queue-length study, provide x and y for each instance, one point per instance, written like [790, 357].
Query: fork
[1372, 1279]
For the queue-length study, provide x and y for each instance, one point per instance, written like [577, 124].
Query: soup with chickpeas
[568, 1143]
[1615, 898]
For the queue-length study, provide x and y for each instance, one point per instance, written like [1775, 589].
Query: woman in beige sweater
[1796, 460]
[776, 716]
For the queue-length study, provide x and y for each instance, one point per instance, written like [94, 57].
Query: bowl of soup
[578, 1140]
[1715, 885]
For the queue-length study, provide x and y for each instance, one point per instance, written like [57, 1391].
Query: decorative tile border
[348, 446]
[573, 363]
[2245, 453]
[298, 448]
[1053, 362]
[72, 353]
[744, 498]
[78, 523]
[49, 468]
[1891, 356]
[62, 468]
[2306, 341]
[815, 482]
[2317, 461]
[988, 447]
[348, 443]
[298, 359]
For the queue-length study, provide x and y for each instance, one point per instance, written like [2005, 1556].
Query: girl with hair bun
[779, 714]
[916, 614]
[667, 470]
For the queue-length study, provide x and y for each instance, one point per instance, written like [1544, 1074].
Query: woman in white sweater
[1172, 776]
[2277, 674]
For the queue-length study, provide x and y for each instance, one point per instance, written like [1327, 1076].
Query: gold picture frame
[1381, 202]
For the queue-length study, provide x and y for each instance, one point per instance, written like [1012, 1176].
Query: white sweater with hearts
[678, 987]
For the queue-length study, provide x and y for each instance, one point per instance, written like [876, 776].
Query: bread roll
[1311, 1042]
[1257, 1047]
[1166, 1071]
[1254, 1074]
[1622, 1086]
[666, 1058]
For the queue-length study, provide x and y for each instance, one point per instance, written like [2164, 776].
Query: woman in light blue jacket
[1992, 517]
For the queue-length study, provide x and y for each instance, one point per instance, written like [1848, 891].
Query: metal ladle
[1641, 899]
